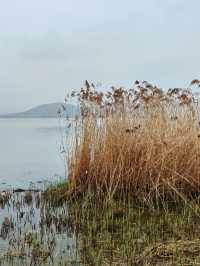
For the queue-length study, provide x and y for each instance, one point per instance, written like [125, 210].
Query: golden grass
[143, 142]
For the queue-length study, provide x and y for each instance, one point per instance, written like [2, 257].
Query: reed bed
[143, 142]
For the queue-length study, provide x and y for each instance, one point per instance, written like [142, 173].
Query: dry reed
[143, 142]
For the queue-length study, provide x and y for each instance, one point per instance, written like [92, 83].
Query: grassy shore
[134, 176]
[117, 232]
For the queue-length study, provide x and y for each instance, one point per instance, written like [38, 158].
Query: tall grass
[143, 142]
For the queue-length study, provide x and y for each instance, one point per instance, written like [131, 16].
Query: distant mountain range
[51, 110]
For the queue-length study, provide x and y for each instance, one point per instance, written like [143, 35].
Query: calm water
[30, 151]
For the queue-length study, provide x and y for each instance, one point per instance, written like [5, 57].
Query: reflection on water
[34, 234]
[30, 151]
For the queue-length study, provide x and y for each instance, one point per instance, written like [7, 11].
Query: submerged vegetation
[115, 232]
[91, 230]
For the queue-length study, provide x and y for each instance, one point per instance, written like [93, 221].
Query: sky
[48, 47]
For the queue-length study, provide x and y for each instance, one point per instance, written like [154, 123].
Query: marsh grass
[116, 233]
[143, 142]
[134, 176]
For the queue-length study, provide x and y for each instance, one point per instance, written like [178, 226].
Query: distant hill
[51, 110]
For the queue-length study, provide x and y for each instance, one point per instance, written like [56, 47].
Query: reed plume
[141, 141]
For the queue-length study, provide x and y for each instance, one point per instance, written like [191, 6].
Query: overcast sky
[49, 46]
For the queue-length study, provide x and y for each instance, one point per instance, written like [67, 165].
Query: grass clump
[142, 141]
[56, 193]
[134, 155]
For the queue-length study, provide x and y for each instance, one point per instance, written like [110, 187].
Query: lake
[31, 156]
[30, 151]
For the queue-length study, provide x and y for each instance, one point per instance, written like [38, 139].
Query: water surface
[30, 151]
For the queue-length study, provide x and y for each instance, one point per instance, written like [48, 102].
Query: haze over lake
[30, 151]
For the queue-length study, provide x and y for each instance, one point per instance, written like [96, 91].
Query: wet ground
[32, 233]
[93, 231]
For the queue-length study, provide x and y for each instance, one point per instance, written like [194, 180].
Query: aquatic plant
[143, 141]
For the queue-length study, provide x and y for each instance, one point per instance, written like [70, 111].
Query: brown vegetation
[143, 142]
